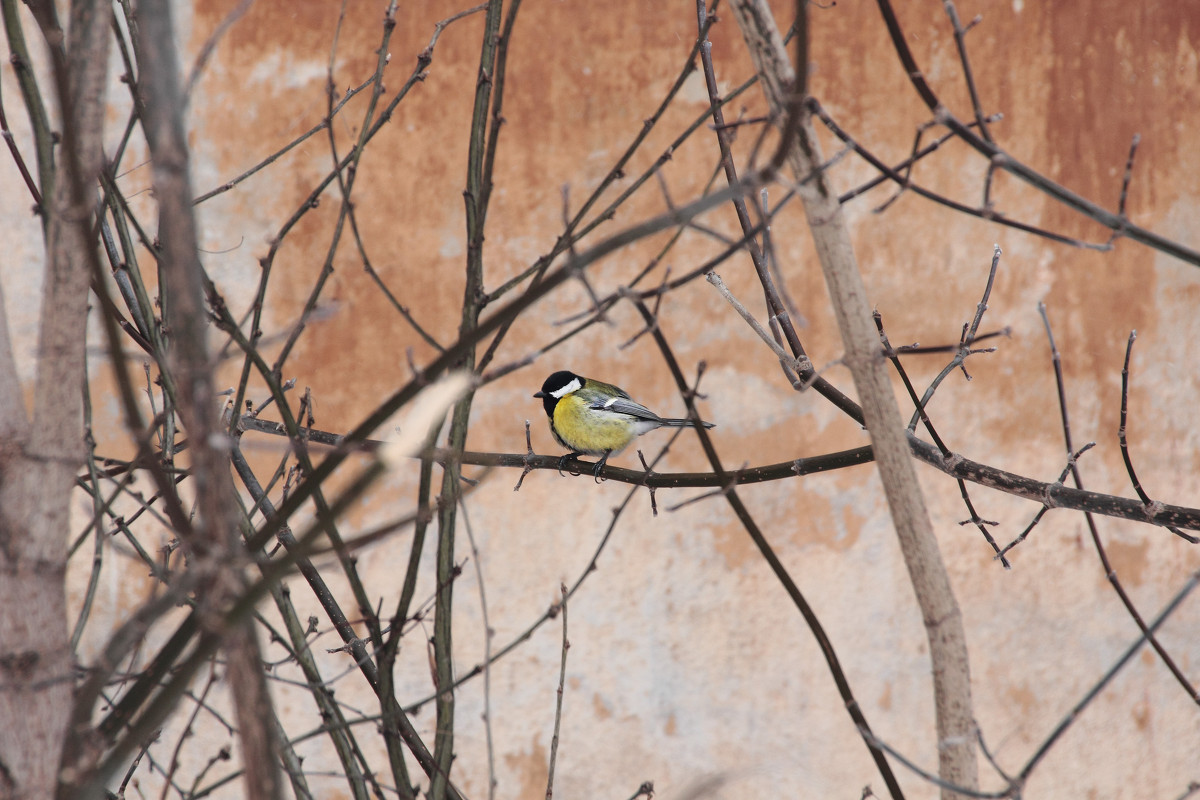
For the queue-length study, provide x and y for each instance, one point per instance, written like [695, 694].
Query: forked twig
[1109, 572]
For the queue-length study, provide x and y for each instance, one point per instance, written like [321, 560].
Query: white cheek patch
[573, 386]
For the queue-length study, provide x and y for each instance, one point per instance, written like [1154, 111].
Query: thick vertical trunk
[40, 452]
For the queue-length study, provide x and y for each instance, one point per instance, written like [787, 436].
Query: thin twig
[558, 705]
[1003, 160]
[960, 43]
[1123, 438]
[210, 46]
[853, 708]
[1187, 588]
[799, 365]
[983, 212]
[488, 633]
[1126, 179]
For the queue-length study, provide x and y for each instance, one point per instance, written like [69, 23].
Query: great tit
[597, 419]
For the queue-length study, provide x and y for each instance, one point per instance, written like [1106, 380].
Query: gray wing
[623, 405]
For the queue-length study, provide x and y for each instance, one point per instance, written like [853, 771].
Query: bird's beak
[540, 394]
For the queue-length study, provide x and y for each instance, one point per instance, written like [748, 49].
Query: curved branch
[999, 159]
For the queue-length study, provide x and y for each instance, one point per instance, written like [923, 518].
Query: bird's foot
[599, 466]
[562, 462]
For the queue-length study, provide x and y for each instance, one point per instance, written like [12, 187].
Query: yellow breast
[578, 427]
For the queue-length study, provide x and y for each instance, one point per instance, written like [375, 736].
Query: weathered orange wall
[686, 659]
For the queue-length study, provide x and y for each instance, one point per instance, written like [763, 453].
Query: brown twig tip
[651, 489]
[528, 465]
[1126, 178]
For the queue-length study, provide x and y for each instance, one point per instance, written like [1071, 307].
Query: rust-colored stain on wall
[1074, 82]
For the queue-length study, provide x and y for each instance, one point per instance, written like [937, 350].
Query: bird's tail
[684, 423]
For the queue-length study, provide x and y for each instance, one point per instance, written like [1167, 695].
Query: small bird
[597, 419]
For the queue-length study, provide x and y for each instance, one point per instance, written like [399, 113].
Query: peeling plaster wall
[686, 660]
